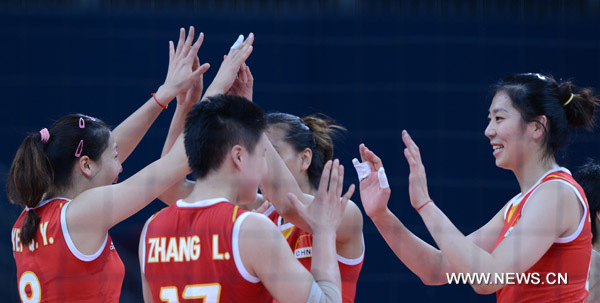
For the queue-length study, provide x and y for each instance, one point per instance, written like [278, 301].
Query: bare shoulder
[556, 194]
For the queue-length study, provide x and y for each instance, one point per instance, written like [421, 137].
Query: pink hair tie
[79, 149]
[45, 135]
[27, 208]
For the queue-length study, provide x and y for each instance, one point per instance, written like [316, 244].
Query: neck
[306, 186]
[213, 186]
[70, 193]
[531, 171]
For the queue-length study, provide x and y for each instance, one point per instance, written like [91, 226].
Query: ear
[87, 166]
[237, 155]
[539, 127]
[306, 156]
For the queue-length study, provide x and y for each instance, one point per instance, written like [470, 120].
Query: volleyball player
[205, 246]
[63, 176]
[305, 145]
[543, 230]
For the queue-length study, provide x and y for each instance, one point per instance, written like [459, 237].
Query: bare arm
[180, 77]
[225, 78]
[92, 213]
[551, 212]
[185, 102]
[424, 260]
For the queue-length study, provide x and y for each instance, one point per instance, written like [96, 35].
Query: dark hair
[39, 167]
[588, 176]
[213, 127]
[314, 132]
[534, 95]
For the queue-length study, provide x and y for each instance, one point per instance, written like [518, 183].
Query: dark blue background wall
[376, 67]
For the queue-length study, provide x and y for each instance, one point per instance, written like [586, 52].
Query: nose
[490, 131]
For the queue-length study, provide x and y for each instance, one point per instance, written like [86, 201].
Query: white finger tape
[383, 181]
[238, 42]
[362, 169]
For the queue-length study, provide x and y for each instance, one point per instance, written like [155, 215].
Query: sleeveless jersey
[191, 251]
[568, 256]
[51, 269]
[301, 244]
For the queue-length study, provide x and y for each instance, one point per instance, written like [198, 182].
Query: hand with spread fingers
[188, 98]
[326, 210]
[181, 74]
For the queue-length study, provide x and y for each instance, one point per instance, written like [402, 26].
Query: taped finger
[238, 42]
[383, 181]
[362, 169]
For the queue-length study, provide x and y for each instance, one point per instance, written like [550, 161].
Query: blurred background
[377, 67]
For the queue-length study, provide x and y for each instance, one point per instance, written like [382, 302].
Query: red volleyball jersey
[191, 252]
[568, 257]
[51, 269]
[301, 244]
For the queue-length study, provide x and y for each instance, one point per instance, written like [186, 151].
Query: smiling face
[507, 133]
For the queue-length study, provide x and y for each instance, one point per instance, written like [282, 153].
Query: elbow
[483, 289]
[427, 282]
[431, 281]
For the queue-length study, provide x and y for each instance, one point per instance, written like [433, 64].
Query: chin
[246, 199]
[501, 164]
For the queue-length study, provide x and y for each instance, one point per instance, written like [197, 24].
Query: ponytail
[44, 162]
[579, 106]
[29, 178]
[323, 130]
[314, 132]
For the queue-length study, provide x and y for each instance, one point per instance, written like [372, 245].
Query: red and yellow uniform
[301, 244]
[191, 251]
[51, 269]
[569, 255]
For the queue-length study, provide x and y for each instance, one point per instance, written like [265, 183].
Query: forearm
[422, 259]
[462, 254]
[176, 127]
[324, 261]
[130, 196]
[277, 184]
[130, 132]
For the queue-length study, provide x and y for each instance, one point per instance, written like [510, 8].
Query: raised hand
[230, 67]
[181, 74]
[374, 188]
[325, 212]
[243, 84]
[187, 99]
[417, 188]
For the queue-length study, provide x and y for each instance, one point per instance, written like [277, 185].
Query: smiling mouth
[498, 147]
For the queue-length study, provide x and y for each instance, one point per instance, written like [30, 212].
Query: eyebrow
[499, 109]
